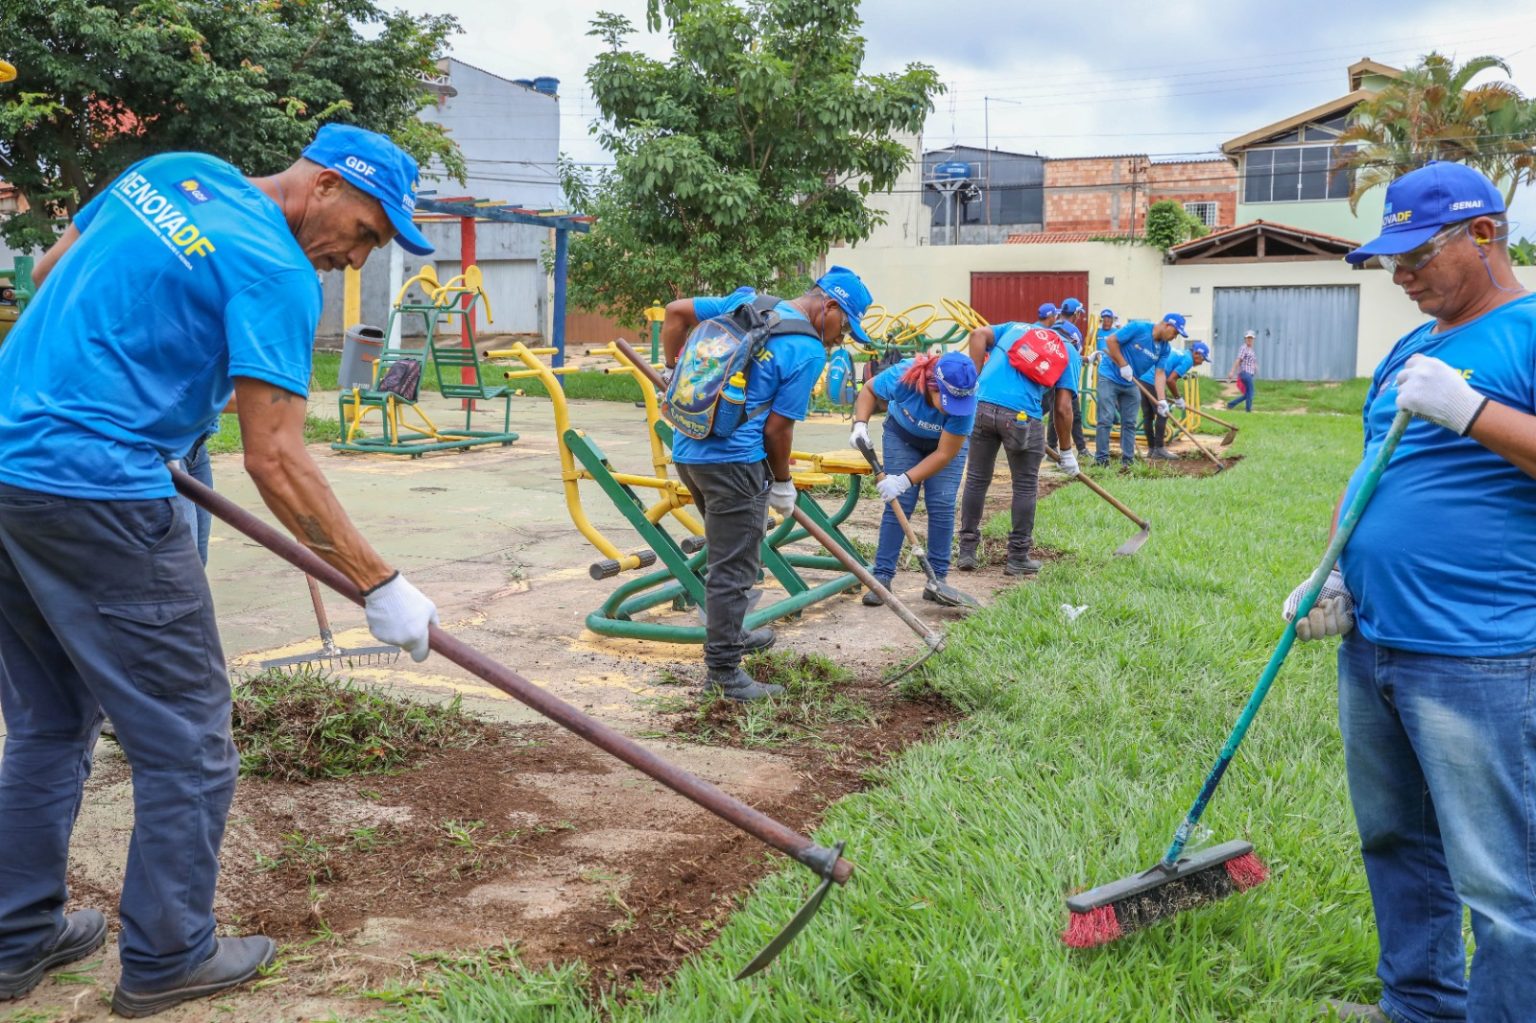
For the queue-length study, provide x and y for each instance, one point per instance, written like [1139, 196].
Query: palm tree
[1430, 113]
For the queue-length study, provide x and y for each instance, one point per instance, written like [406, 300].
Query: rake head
[340, 657]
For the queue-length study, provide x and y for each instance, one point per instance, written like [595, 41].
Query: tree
[743, 157]
[104, 83]
[1169, 223]
[1433, 112]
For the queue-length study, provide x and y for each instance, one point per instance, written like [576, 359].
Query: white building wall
[509, 135]
[908, 219]
[1126, 278]
[1385, 312]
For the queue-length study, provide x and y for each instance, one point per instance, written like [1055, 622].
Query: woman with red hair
[930, 404]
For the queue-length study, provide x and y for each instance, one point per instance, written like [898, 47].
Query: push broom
[1178, 882]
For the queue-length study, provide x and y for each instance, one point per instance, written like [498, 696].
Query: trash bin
[360, 349]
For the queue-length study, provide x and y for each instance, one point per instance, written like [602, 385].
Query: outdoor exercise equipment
[1178, 882]
[813, 522]
[1130, 546]
[1150, 396]
[913, 331]
[446, 303]
[827, 863]
[7, 72]
[941, 592]
[20, 278]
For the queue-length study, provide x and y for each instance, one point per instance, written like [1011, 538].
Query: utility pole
[986, 134]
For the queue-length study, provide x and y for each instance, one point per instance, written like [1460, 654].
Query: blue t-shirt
[910, 413]
[1175, 364]
[1001, 384]
[1140, 351]
[783, 377]
[1444, 559]
[1069, 331]
[184, 276]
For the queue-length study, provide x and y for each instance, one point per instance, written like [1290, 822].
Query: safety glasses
[1417, 259]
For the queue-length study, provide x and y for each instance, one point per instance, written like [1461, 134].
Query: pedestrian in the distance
[1436, 600]
[1244, 368]
[931, 407]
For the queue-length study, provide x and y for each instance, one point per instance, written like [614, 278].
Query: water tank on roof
[953, 169]
[547, 85]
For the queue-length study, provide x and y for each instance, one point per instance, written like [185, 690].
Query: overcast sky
[1070, 78]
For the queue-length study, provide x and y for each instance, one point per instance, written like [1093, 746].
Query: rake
[329, 653]
[1178, 882]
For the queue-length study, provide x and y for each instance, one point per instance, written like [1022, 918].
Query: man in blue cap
[1069, 324]
[734, 480]
[1135, 350]
[1175, 366]
[1010, 414]
[104, 607]
[1436, 600]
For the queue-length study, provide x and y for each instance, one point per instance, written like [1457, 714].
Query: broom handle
[755, 823]
[1287, 638]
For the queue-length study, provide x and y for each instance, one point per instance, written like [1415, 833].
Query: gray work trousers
[1024, 444]
[104, 607]
[732, 497]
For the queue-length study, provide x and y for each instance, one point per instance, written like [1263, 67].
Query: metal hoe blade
[796, 924]
[934, 646]
[1133, 545]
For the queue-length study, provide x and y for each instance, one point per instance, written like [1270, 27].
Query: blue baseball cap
[1201, 349]
[955, 374]
[1048, 309]
[1107, 312]
[1071, 306]
[1177, 319]
[375, 165]
[1423, 201]
[843, 286]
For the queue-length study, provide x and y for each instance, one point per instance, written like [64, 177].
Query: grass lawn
[1340, 397]
[1084, 745]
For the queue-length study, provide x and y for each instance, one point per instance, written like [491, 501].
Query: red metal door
[1003, 297]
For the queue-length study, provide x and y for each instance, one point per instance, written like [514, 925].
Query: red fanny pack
[1041, 355]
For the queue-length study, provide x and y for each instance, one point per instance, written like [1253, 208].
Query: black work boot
[1162, 455]
[85, 930]
[735, 684]
[759, 639]
[967, 560]
[1021, 566]
[873, 599]
[234, 961]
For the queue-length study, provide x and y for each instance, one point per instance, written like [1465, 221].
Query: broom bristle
[1091, 929]
[1117, 919]
[1247, 871]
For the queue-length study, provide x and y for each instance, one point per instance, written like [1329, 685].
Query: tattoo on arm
[281, 397]
[315, 536]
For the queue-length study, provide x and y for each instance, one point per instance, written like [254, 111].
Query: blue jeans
[199, 466]
[1246, 398]
[939, 490]
[1116, 403]
[105, 609]
[1441, 755]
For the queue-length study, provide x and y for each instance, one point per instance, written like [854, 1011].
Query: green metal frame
[681, 582]
[416, 442]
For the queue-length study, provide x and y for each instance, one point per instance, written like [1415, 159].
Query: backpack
[842, 385]
[1041, 355]
[403, 379]
[707, 396]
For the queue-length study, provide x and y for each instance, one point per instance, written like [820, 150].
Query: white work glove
[1180, 405]
[859, 436]
[893, 487]
[1435, 391]
[1162, 407]
[781, 498]
[1068, 463]
[1126, 374]
[1332, 615]
[399, 614]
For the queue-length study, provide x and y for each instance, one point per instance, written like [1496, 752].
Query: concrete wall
[508, 255]
[1126, 278]
[1111, 194]
[1385, 312]
[1329, 216]
[509, 134]
[1185, 181]
[908, 219]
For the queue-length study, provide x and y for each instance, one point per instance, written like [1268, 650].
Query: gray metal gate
[1306, 332]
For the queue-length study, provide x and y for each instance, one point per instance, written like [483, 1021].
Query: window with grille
[1205, 212]
[1305, 164]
